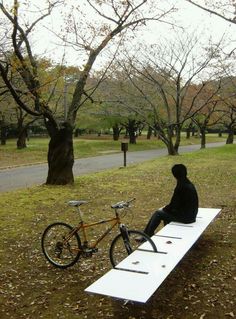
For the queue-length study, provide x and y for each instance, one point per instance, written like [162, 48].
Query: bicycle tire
[118, 251]
[58, 253]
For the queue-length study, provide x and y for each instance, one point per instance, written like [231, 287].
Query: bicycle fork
[125, 236]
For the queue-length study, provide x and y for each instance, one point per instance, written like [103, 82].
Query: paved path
[27, 176]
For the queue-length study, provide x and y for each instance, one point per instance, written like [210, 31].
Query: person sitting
[183, 206]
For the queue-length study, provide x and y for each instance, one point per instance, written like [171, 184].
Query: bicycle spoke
[121, 248]
[61, 247]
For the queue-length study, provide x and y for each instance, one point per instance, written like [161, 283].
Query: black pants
[157, 217]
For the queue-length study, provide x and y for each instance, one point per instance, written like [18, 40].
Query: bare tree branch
[231, 20]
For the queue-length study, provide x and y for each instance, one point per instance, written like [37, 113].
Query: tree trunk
[21, 141]
[171, 131]
[167, 140]
[3, 135]
[149, 133]
[76, 134]
[171, 149]
[61, 157]
[132, 137]
[203, 137]
[178, 138]
[189, 129]
[132, 129]
[116, 132]
[230, 137]
[22, 132]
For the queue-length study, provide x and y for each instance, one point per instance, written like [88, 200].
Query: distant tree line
[164, 88]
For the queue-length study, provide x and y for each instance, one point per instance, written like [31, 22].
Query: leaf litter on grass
[202, 286]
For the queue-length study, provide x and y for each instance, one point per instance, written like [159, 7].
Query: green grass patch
[31, 288]
[37, 148]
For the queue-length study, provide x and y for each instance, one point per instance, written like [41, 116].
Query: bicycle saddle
[77, 203]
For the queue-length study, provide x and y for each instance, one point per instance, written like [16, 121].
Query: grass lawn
[201, 286]
[86, 146]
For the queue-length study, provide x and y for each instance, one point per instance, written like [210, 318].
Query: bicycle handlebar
[122, 204]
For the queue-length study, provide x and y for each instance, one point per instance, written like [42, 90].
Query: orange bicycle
[62, 244]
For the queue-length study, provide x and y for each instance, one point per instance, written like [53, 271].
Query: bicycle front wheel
[121, 248]
[61, 245]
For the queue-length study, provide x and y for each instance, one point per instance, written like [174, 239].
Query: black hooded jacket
[184, 202]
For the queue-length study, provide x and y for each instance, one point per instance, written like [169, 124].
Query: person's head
[179, 171]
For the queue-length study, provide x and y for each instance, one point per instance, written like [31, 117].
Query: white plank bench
[138, 276]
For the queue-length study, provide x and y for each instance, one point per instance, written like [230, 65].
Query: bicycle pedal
[87, 253]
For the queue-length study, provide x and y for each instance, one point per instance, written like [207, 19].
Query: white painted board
[138, 276]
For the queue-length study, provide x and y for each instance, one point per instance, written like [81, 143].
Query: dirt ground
[202, 285]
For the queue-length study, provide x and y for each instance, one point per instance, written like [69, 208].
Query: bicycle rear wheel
[60, 245]
[121, 248]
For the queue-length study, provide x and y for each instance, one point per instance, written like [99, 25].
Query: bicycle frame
[83, 226]
[63, 244]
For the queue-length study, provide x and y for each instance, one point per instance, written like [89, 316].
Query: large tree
[110, 19]
[166, 78]
[228, 97]
[226, 10]
[114, 95]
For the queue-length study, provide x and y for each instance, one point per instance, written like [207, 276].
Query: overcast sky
[190, 17]
[197, 20]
